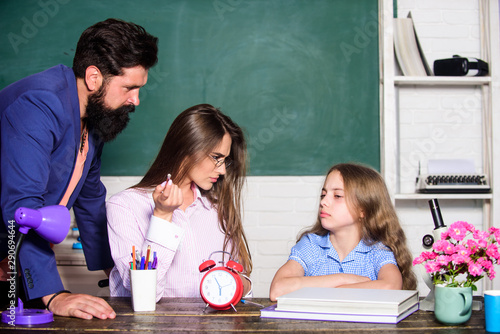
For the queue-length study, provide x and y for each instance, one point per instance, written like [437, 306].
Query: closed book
[348, 301]
[407, 47]
[272, 312]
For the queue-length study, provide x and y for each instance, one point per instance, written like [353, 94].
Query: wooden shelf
[417, 196]
[442, 81]
[486, 91]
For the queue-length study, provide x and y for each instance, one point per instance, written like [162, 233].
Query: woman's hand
[167, 197]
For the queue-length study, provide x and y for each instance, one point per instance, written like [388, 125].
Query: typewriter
[453, 183]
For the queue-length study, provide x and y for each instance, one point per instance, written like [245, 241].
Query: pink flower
[491, 273]
[418, 260]
[432, 267]
[458, 230]
[424, 257]
[443, 246]
[492, 251]
[493, 229]
[487, 264]
[443, 260]
[472, 246]
[496, 232]
[469, 227]
[483, 243]
[475, 269]
[429, 255]
[459, 258]
[461, 250]
[482, 238]
[481, 235]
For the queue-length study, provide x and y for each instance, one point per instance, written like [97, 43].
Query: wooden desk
[181, 314]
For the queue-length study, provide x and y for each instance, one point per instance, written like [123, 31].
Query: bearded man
[53, 126]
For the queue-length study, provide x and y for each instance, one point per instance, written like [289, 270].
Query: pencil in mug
[133, 258]
[147, 258]
[155, 261]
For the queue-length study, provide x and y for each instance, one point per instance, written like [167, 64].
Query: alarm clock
[221, 287]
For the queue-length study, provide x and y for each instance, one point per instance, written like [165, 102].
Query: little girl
[357, 241]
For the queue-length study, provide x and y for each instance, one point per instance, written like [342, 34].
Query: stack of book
[351, 305]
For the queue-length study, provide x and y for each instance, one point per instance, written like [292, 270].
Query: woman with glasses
[187, 206]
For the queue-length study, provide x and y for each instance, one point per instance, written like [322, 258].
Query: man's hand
[80, 306]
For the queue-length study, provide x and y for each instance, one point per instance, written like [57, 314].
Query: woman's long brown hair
[191, 137]
[366, 192]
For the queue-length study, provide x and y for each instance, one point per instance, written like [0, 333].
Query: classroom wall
[277, 208]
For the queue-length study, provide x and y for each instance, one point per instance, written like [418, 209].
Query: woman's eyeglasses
[219, 161]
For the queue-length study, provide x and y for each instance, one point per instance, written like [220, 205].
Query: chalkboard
[299, 76]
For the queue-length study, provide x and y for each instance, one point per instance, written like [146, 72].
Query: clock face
[218, 287]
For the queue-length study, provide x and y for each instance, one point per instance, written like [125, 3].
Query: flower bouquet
[462, 256]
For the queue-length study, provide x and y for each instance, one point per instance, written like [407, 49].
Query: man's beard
[106, 122]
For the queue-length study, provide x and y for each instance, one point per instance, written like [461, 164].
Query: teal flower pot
[452, 305]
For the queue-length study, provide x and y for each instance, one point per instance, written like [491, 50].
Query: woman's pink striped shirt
[181, 245]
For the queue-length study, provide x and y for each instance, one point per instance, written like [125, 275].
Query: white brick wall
[276, 209]
[445, 27]
[439, 122]
[434, 124]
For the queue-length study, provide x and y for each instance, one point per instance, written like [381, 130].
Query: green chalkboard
[300, 76]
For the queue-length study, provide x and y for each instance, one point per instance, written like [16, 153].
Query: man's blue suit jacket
[40, 137]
